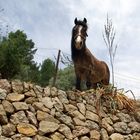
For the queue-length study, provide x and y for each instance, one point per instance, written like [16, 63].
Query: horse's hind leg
[78, 82]
[88, 84]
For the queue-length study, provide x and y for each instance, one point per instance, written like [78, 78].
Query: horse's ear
[85, 20]
[75, 21]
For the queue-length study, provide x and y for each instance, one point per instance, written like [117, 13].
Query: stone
[38, 91]
[13, 97]
[71, 95]
[4, 84]
[84, 138]
[8, 107]
[121, 127]
[77, 121]
[17, 86]
[38, 137]
[57, 136]
[0, 130]
[92, 116]
[30, 93]
[3, 94]
[47, 91]
[91, 108]
[136, 136]
[26, 86]
[116, 136]
[107, 124]
[32, 118]
[137, 115]
[26, 138]
[63, 97]
[45, 116]
[92, 125]
[70, 108]
[128, 137]
[65, 119]
[104, 134]
[134, 126]
[19, 117]
[31, 100]
[80, 131]
[17, 136]
[54, 92]
[124, 117]
[47, 127]
[40, 106]
[57, 104]
[47, 101]
[77, 114]
[95, 135]
[3, 116]
[82, 108]
[65, 130]
[4, 138]
[26, 129]
[114, 118]
[8, 130]
[20, 106]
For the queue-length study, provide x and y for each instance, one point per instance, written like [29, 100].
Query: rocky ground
[30, 112]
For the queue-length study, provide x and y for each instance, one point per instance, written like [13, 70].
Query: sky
[49, 23]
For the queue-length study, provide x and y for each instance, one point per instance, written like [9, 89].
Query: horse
[87, 67]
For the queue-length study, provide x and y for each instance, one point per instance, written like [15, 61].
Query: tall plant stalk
[109, 36]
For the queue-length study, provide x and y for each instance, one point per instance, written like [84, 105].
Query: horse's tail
[107, 75]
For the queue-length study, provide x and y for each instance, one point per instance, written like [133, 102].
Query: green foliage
[16, 56]
[66, 78]
[47, 71]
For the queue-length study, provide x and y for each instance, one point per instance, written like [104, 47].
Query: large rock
[65, 130]
[3, 116]
[80, 131]
[121, 127]
[20, 106]
[19, 117]
[4, 84]
[116, 136]
[17, 86]
[26, 129]
[8, 130]
[92, 116]
[47, 127]
[3, 94]
[8, 107]
[13, 97]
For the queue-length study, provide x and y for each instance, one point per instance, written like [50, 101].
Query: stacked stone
[30, 112]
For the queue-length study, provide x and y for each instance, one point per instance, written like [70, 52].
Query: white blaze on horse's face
[78, 39]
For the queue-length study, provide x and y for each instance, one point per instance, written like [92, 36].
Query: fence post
[56, 68]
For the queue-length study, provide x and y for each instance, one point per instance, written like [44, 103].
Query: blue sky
[49, 22]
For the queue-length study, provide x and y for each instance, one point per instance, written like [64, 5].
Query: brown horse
[87, 67]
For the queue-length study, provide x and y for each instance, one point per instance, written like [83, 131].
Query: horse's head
[79, 33]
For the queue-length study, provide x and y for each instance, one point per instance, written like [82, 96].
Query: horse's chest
[83, 70]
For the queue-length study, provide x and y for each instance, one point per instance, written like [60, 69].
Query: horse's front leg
[78, 83]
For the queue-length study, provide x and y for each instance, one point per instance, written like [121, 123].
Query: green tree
[16, 55]
[47, 71]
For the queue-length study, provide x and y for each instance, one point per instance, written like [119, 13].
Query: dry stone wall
[30, 112]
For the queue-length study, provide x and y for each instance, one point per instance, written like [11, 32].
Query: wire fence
[126, 82]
